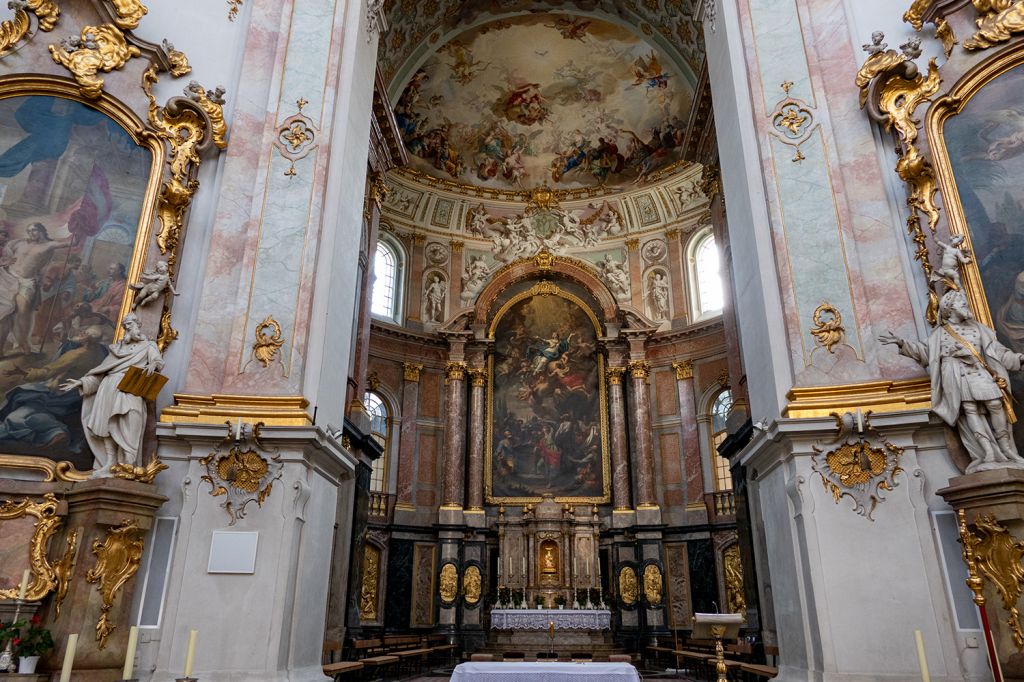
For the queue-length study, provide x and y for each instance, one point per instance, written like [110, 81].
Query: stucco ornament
[969, 371]
[114, 395]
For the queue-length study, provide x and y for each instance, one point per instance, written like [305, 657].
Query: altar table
[539, 619]
[542, 670]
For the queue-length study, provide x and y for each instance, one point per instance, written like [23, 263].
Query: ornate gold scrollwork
[368, 590]
[640, 369]
[999, 20]
[652, 584]
[129, 13]
[62, 571]
[828, 332]
[454, 371]
[98, 49]
[683, 369]
[117, 559]
[449, 586]
[144, 474]
[242, 475]
[412, 370]
[997, 556]
[13, 30]
[733, 571]
[943, 31]
[628, 588]
[47, 523]
[265, 347]
[472, 584]
[615, 375]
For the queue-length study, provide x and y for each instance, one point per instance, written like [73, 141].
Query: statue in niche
[658, 291]
[113, 418]
[152, 284]
[474, 276]
[969, 372]
[615, 275]
[953, 256]
[434, 297]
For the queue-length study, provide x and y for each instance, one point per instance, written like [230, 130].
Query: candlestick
[190, 657]
[129, 656]
[921, 659]
[23, 588]
[69, 658]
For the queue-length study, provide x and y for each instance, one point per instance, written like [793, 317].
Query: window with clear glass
[709, 280]
[719, 413]
[383, 302]
[377, 411]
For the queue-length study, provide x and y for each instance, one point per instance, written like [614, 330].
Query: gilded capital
[455, 371]
[457, 246]
[418, 239]
[672, 234]
[684, 369]
[640, 369]
[412, 370]
[632, 244]
[478, 376]
[615, 375]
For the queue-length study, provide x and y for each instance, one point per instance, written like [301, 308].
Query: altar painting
[546, 429]
[72, 187]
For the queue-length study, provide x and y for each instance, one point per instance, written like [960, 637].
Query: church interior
[511, 339]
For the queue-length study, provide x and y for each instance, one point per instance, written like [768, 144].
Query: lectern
[717, 626]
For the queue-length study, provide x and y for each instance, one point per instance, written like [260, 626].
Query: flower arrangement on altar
[29, 641]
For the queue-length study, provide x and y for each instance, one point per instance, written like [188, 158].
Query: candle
[574, 574]
[925, 677]
[238, 436]
[190, 657]
[860, 421]
[129, 657]
[69, 658]
[23, 588]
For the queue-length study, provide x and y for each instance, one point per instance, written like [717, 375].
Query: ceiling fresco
[557, 99]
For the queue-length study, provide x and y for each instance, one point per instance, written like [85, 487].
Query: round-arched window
[377, 411]
[707, 277]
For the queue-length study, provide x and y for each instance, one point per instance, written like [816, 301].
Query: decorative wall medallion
[471, 585]
[241, 474]
[628, 588]
[997, 556]
[13, 30]
[733, 570]
[828, 326]
[654, 250]
[296, 137]
[371, 578]
[98, 49]
[857, 470]
[266, 345]
[436, 253]
[652, 584]
[790, 118]
[47, 523]
[117, 559]
[449, 585]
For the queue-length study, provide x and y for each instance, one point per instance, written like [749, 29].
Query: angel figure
[952, 258]
[152, 284]
[658, 293]
[876, 45]
[649, 73]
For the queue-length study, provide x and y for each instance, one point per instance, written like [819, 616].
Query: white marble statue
[615, 275]
[434, 298]
[113, 420]
[969, 372]
[473, 277]
[952, 257]
[151, 285]
[658, 292]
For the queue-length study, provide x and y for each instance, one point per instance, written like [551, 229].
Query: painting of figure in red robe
[547, 434]
[72, 186]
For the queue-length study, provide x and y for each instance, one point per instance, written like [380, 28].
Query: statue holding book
[114, 395]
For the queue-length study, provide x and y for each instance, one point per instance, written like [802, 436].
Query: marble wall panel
[677, 583]
[703, 581]
[671, 462]
[430, 395]
[707, 373]
[398, 602]
[665, 393]
[428, 458]
[422, 614]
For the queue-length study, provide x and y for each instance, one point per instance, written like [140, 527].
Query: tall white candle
[238, 436]
[129, 656]
[69, 658]
[921, 658]
[190, 657]
[23, 588]
[860, 421]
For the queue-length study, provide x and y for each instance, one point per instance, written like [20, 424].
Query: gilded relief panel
[422, 585]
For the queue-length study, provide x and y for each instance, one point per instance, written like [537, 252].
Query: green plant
[538, 600]
[560, 599]
[30, 639]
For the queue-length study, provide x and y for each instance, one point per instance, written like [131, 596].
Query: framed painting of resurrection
[77, 187]
[547, 423]
[977, 136]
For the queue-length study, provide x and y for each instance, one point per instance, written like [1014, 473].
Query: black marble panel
[703, 583]
[398, 597]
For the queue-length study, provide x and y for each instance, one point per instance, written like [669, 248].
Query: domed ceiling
[558, 99]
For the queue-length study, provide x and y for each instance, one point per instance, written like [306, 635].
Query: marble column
[407, 436]
[414, 297]
[639, 371]
[455, 435]
[636, 273]
[476, 439]
[690, 432]
[620, 464]
[677, 274]
[361, 353]
[455, 276]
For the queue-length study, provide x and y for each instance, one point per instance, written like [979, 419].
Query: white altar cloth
[545, 672]
[538, 619]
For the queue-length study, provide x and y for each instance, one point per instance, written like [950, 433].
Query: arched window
[707, 281]
[377, 411]
[719, 412]
[387, 278]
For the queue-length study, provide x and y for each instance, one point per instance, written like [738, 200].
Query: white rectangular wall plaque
[233, 552]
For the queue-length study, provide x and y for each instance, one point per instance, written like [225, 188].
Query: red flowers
[16, 641]
[36, 619]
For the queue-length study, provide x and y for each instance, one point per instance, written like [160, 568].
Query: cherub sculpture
[876, 45]
[953, 256]
[151, 285]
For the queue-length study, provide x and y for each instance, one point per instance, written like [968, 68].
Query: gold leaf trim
[998, 558]
[118, 558]
[98, 49]
[44, 579]
[12, 31]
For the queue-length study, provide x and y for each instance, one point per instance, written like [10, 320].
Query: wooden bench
[766, 671]
[383, 662]
[342, 668]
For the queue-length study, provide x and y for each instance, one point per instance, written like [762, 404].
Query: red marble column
[691, 435]
[636, 273]
[414, 299]
[620, 463]
[455, 278]
[476, 439]
[455, 435]
[639, 371]
[407, 435]
[677, 273]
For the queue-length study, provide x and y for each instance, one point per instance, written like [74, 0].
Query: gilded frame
[947, 106]
[44, 577]
[26, 85]
[546, 288]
